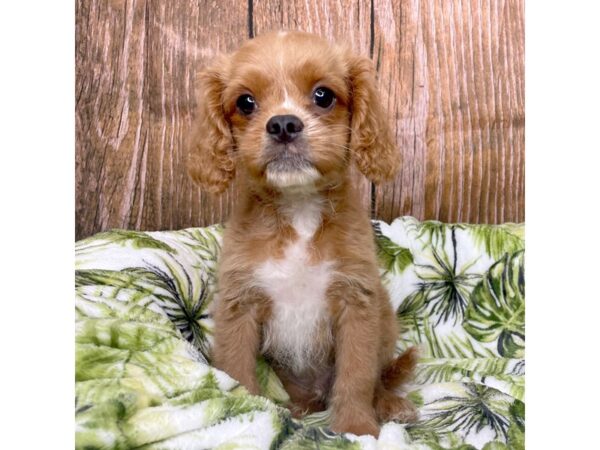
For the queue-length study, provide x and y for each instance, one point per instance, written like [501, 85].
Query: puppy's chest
[298, 333]
[292, 282]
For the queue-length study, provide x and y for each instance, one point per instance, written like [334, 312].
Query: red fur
[400, 371]
[277, 234]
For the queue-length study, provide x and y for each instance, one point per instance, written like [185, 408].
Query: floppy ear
[371, 142]
[210, 146]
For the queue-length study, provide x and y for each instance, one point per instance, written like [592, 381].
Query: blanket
[143, 331]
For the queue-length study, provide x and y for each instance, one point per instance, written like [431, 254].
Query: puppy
[298, 281]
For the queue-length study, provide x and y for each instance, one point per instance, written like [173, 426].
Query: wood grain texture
[136, 65]
[183, 37]
[338, 21]
[451, 75]
[111, 134]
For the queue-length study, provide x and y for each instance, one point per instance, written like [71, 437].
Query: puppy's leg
[356, 363]
[396, 371]
[388, 405]
[237, 341]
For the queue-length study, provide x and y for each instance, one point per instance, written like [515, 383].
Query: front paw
[356, 422]
[251, 386]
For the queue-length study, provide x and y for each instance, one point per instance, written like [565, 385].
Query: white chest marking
[298, 333]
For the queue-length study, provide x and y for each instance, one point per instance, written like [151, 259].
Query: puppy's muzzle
[284, 128]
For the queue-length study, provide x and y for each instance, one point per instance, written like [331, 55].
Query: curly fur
[211, 145]
[374, 150]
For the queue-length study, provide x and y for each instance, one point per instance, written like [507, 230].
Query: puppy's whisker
[328, 136]
[327, 142]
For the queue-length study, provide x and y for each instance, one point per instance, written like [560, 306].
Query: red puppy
[298, 278]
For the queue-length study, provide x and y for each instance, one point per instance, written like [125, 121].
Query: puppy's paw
[298, 412]
[253, 388]
[357, 422]
[251, 385]
[389, 406]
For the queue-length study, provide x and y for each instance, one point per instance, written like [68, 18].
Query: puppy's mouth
[290, 168]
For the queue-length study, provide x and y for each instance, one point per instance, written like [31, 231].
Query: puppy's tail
[401, 369]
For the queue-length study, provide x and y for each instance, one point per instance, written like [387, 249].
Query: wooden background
[451, 75]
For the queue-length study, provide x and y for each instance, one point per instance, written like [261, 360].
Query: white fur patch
[298, 333]
[290, 106]
[286, 179]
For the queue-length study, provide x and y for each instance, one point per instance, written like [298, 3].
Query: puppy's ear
[210, 145]
[372, 144]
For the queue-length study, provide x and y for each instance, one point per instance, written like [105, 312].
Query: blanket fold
[144, 331]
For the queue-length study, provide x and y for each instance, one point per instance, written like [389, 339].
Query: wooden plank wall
[451, 75]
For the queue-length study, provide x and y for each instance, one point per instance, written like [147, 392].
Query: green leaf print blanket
[143, 335]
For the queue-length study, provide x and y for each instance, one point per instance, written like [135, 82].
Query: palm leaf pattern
[497, 310]
[472, 409]
[318, 437]
[172, 292]
[185, 309]
[143, 337]
[496, 241]
[136, 239]
[444, 289]
[392, 257]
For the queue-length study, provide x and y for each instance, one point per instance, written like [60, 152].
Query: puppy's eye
[246, 104]
[323, 97]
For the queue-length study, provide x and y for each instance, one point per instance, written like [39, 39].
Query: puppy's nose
[284, 128]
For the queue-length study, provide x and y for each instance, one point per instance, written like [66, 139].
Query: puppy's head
[289, 110]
